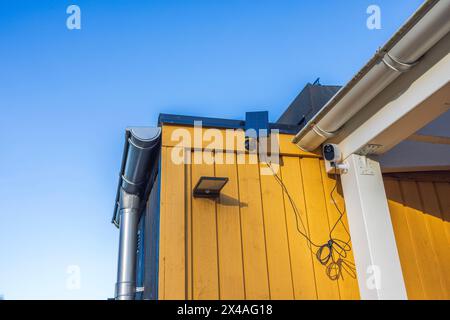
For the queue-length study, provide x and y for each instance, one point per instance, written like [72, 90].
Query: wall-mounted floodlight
[209, 187]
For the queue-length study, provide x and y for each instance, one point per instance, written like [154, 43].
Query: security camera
[332, 153]
[333, 156]
[251, 144]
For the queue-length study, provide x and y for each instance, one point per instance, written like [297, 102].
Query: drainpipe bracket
[128, 200]
[397, 65]
[323, 133]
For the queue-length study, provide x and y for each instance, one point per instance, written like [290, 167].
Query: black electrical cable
[294, 207]
[334, 252]
[341, 212]
[341, 248]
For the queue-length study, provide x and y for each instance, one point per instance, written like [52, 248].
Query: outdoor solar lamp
[209, 187]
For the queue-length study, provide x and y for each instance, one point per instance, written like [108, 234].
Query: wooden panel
[172, 230]
[407, 254]
[422, 244]
[231, 275]
[246, 244]
[188, 237]
[253, 239]
[204, 240]
[162, 228]
[443, 192]
[417, 207]
[301, 256]
[436, 229]
[348, 281]
[278, 259]
[318, 223]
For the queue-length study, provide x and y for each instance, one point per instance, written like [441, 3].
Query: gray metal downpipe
[140, 151]
[126, 269]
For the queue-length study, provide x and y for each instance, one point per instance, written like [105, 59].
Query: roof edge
[173, 119]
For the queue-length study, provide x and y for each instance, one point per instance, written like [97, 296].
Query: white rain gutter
[403, 51]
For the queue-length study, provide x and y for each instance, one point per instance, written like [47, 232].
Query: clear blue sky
[67, 96]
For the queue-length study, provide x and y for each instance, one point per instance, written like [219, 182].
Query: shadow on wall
[425, 192]
[231, 202]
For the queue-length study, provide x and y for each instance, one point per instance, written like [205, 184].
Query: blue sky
[66, 97]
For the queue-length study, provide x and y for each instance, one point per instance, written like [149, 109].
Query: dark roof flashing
[171, 119]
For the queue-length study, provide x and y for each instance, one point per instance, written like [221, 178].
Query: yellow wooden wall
[246, 246]
[420, 213]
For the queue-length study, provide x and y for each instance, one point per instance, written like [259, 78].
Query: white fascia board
[423, 101]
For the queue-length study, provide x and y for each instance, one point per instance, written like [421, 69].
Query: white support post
[376, 256]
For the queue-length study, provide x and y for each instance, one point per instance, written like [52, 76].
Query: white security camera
[333, 159]
[332, 153]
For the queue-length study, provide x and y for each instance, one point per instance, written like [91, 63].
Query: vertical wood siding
[246, 245]
[420, 213]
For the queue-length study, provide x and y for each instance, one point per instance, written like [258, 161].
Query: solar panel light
[209, 187]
